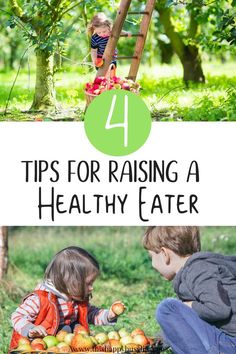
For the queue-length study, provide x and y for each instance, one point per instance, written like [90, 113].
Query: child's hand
[37, 331]
[117, 308]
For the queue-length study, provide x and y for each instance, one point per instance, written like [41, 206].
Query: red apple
[141, 340]
[61, 335]
[118, 308]
[81, 329]
[81, 342]
[99, 80]
[97, 92]
[53, 349]
[38, 344]
[115, 344]
[99, 62]
[63, 347]
[137, 331]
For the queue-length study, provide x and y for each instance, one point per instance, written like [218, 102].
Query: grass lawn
[126, 271]
[162, 89]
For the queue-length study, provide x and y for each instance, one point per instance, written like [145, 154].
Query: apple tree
[3, 251]
[41, 22]
[194, 24]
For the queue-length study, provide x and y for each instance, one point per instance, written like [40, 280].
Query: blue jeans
[186, 333]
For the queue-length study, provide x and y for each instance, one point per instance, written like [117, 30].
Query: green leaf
[169, 3]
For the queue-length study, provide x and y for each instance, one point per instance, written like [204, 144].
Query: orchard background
[126, 271]
[187, 71]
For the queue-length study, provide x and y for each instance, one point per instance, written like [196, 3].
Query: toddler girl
[61, 301]
[100, 29]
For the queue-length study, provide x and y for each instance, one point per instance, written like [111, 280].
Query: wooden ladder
[116, 34]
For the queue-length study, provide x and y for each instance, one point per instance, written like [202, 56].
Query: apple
[93, 340]
[113, 335]
[63, 347]
[68, 338]
[141, 340]
[123, 332]
[125, 86]
[51, 341]
[81, 329]
[99, 62]
[137, 331]
[38, 344]
[24, 347]
[118, 308]
[53, 349]
[23, 340]
[115, 344]
[61, 335]
[81, 342]
[126, 340]
[101, 338]
[99, 79]
[96, 92]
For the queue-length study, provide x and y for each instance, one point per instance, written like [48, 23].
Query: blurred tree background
[190, 42]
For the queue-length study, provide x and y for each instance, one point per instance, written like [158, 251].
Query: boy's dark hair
[183, 240]
[69, 270]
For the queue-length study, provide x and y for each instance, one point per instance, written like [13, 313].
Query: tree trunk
[44, 97]
[188, 54]
[192, 65]
[166, 52]
[3, 251]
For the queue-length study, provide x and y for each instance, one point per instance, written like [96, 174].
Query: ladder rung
[138, 13]
[127, 57]
[133, 35]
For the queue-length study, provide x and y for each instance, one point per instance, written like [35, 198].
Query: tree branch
[18, 11]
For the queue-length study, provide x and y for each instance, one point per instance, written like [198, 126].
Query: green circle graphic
[117, 122]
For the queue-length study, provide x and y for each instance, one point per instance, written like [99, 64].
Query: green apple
[113, 335]
[101, 338]
[123, 332]
[68, 338]
[50, 341]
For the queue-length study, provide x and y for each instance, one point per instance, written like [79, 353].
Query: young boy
[203, 320]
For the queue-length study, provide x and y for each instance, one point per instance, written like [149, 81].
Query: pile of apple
[81, 340]
[101, 84]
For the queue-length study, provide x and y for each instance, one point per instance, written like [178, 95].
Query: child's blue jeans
[186, 333]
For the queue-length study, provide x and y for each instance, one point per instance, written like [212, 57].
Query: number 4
[119, 125]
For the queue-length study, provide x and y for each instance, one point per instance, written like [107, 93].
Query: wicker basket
[90, 96]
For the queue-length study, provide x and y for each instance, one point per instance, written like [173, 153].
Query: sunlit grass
[162, 89]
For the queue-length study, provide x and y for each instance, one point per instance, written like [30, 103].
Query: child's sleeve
[25, 315]
[212, 300]
[99, 317]
[93, 43]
